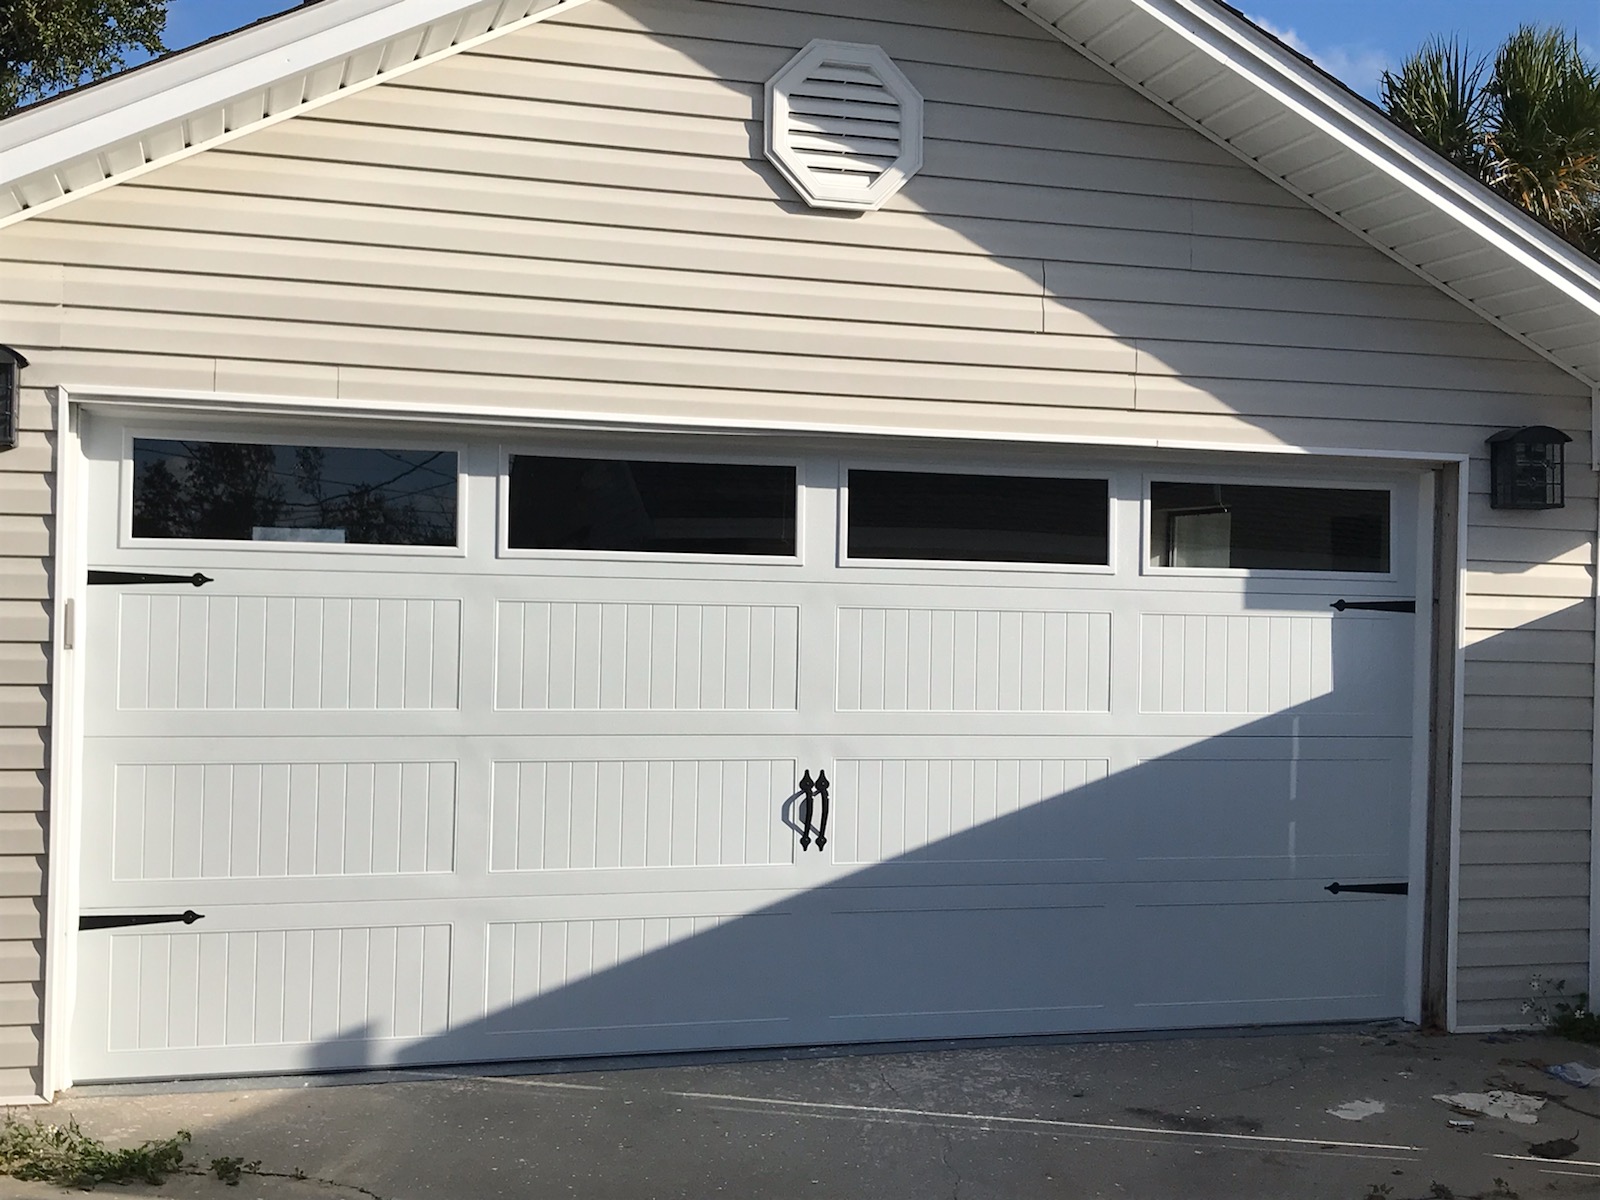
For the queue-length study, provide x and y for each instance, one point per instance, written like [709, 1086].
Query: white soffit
[1206, 64]
[844, 125]
[266, 72]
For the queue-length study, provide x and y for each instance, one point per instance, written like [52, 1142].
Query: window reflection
[254, 492]
[1255, 527]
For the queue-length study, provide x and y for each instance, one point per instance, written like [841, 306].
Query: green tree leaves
[49, 45]
[1527, 124]
[1438, 95]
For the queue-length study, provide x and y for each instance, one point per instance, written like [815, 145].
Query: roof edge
[318, 40]
[1329, 104]
[139, 84]
[1224, 35]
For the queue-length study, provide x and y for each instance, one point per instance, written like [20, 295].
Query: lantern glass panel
[1527, 468]
[10, 399]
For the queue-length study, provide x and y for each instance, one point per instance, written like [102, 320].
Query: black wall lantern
[1527, 468]
[11, 364]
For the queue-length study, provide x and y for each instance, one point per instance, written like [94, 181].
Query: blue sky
[1353, 39]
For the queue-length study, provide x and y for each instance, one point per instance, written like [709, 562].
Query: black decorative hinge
[1376, 889]
[125, 920]
[1406, 606]
[112, 577]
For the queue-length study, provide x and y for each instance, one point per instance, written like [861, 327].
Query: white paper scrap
[1512, 1106]
[1357, 1110]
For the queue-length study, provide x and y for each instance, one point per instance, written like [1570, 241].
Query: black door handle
[808, 789]
[1400, 606]
[822, 824]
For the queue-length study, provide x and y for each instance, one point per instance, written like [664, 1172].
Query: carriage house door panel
[435, 797]
[1066, 798]
[426, 748]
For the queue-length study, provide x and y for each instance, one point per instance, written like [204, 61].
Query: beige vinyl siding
[576, 218]
[25, 533]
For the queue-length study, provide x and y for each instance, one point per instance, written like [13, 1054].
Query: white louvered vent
[844, 125]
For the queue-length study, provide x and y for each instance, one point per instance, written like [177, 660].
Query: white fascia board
[1239, 45]
[128, 91]
[252, 60]
[1594, 465]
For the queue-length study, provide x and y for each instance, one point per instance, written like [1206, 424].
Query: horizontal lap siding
[577, 218]
[1527, 778]
[25, 534]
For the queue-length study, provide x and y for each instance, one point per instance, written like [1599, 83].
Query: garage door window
[1231, 526]
[935, 516]
[644, 506]
[258, 492]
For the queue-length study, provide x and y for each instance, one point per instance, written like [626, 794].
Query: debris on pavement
[1576, 1073]
[1511, 1106]
[1357, 1110]
[1556, 1148]
[1464, 1124]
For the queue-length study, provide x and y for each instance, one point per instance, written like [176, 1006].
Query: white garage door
[494, 751]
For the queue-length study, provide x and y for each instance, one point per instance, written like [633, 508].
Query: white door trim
[1458, 637]
[65, 801]
[514, 417]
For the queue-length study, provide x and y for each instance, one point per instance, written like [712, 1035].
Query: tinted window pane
[979, 518]
[656, 507]
[1269, 528]
[247, 492]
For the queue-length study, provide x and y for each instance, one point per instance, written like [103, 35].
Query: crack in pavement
[944, 1161]
[948, 1143]
[1299, 1068]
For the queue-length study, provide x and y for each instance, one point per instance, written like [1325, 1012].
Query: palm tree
[1527, 124]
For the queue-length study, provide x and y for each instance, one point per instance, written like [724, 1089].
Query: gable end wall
[578, 217]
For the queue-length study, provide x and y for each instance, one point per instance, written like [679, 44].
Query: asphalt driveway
[1233, 1117]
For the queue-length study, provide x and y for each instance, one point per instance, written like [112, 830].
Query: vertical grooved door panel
[961, 810]
[615, 815]
[1215, 663]
[646, 657]
[216, 653]
[287, 986]
[931, 660]
[255, 820]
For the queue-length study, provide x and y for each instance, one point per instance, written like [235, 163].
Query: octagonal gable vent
[844, 125]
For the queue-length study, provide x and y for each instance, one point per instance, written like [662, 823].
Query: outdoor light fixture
[1527, 468]
[11, 364]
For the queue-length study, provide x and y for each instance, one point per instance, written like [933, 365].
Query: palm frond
[1438, 95]
[1543, 139]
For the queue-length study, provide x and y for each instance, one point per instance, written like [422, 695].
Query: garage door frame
[1436, 735]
